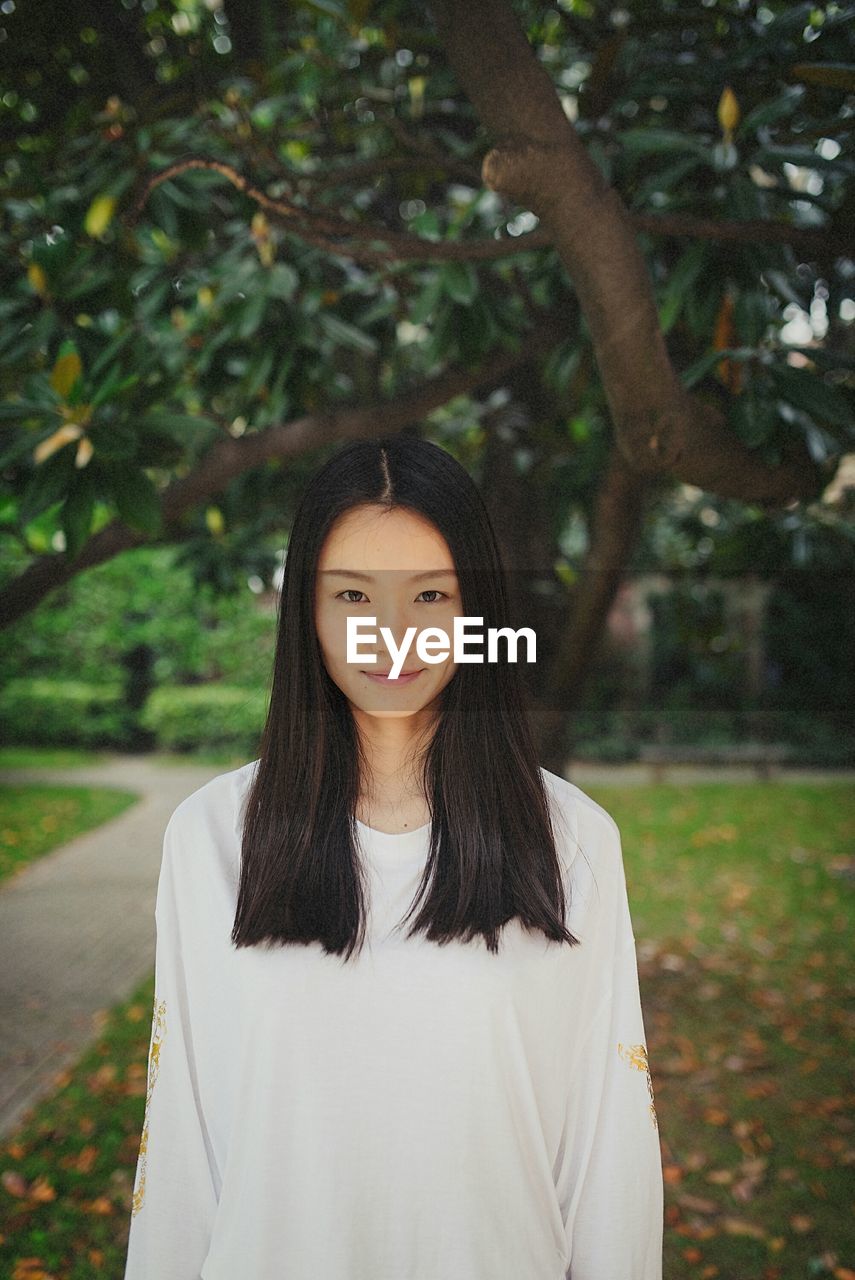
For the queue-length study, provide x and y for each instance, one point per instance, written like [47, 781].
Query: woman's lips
[406, 677]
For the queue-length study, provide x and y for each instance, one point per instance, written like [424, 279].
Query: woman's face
[395, 566]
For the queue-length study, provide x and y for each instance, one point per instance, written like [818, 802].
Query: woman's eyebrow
[415, 577]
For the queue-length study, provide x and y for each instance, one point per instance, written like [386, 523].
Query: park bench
[762, 756]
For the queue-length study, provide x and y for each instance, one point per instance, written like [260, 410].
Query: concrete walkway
[77, 926]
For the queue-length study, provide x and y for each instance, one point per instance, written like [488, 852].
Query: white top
[417, 1113]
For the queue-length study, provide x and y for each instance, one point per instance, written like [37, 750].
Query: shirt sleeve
[174, 1197]
[615, 1209]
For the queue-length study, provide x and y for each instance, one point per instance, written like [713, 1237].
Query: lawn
[36, 818]
[742, 906]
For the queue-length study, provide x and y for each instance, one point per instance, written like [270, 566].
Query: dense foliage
[129, 348]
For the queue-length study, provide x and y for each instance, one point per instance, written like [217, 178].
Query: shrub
[65, 712]
[206, 715]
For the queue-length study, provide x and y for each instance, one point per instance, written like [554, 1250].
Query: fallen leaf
[86, 1159]
[697, 1203]
[100, 1205]
[30, 1269]
[742, 1227]
[41, 1191]
[13, 1182]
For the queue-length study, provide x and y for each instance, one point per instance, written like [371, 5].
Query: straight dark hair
[492, 853]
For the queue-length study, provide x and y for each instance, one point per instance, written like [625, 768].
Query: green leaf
[22, 445]
[425, 305]
[753, 417]
[653, 141]
[48, 483]
[346, 334]
[137, 500]
[460, 282]
[815, 397]
[259, 372]
[666, 179]
[76, 515]
[282, 281]
[751, 316]
[383, 306]
[110, 352]
[277, 400]
[92, 282]
[251, 315]
[684, 274]
[560, 365]
[18, 410]
[113, 440]
[775, 109]
[182, 426]
[426, 224]
[701, 367]
[115, 382]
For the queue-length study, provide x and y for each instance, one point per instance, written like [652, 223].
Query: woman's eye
[354, 591]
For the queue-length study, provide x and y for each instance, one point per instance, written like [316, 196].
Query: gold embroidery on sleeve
[636, 1056]
[158, 1031]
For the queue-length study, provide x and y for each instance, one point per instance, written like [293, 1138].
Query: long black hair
[492, 853]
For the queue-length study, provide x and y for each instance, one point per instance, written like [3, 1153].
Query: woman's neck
[391, 796]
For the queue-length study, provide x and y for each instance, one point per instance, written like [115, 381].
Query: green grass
[223, 757]
[46, 757]
[743, 907]
[68, 1172]
[36, 818]
[12, 757]
[743, 913]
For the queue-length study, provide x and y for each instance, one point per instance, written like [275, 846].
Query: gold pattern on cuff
[636, 1056]
[158, 1031]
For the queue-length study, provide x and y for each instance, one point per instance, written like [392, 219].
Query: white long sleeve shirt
[417, 1113]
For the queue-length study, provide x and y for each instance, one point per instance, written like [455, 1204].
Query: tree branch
[615, 525]
[228, 458]
[541, 164]
[323, 230]
[380, 166]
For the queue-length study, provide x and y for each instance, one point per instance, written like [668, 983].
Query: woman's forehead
[375, 539]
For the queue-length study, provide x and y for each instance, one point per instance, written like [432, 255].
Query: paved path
[77, 926]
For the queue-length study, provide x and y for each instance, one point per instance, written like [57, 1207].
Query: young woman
[397, 1031]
